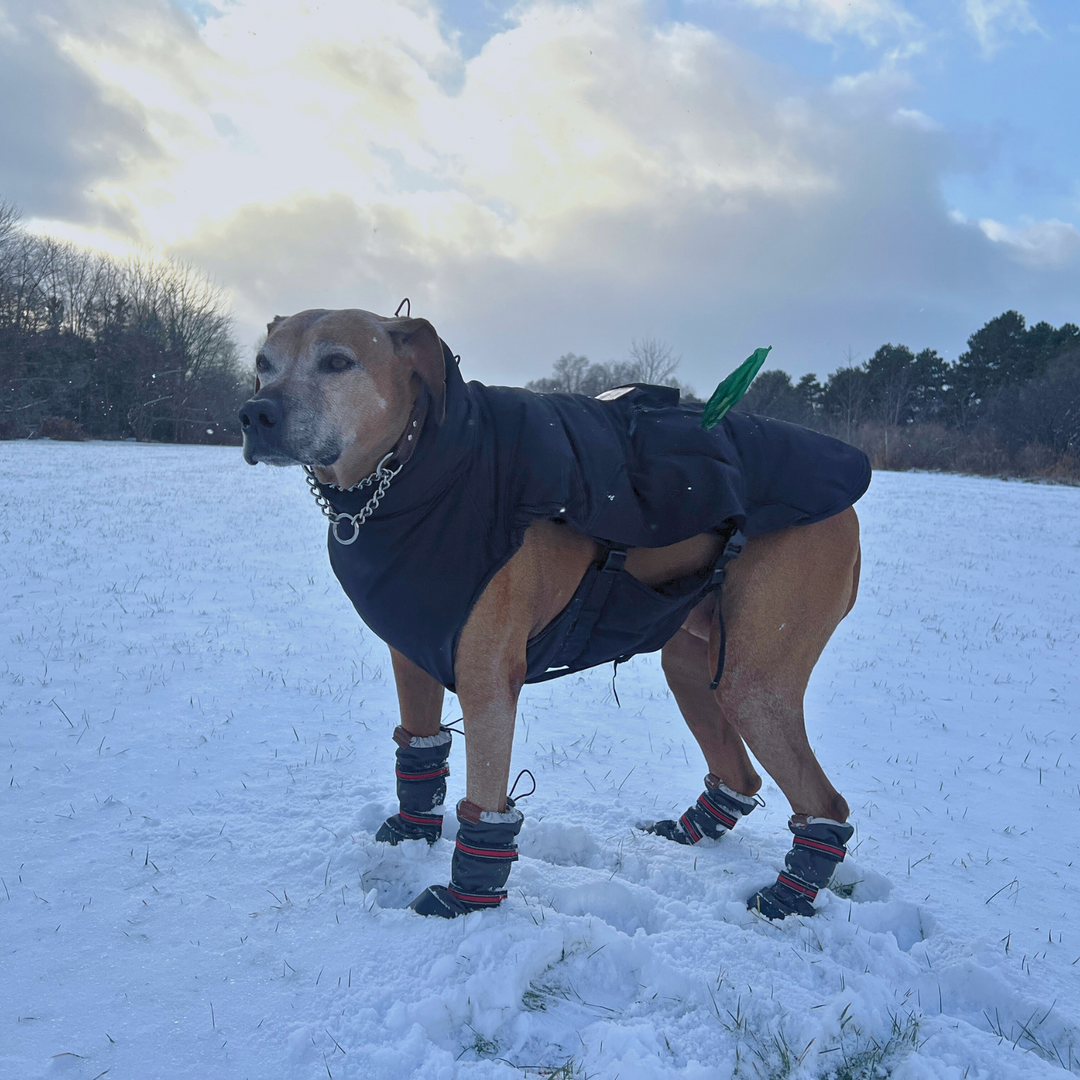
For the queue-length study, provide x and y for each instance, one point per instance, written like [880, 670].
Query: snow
[195, 752]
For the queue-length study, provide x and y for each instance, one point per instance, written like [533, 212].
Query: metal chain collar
[382, 476]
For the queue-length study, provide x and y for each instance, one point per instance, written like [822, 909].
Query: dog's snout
[263, 421]
[260, 412]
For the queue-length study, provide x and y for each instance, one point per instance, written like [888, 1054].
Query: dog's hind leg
[732, 780]
[782, 601]
[685, 660]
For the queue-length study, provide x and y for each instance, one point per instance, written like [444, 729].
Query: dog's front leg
[420, 697]
[423, 753]
[489, 670]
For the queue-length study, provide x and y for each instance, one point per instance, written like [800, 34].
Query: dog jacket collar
[636, 470]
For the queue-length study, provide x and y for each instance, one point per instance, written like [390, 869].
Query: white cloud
[886, 82]
[587, 177]
[988, 20]
[872, 21]
[1048, 244]
[573, 110]
[915, 118]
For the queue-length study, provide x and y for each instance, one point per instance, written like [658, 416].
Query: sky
[822, 176]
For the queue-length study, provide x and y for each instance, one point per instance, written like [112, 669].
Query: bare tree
[653, 361]
[650, 361]
[140, 347]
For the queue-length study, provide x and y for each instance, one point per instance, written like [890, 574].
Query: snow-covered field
[195, 752]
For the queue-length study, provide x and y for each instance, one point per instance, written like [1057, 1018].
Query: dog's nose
[260, 413]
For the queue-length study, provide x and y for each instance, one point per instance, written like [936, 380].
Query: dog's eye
[337, 362]
[262, 365]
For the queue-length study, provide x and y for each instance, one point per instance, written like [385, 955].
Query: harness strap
[604, 573]
[732, 549]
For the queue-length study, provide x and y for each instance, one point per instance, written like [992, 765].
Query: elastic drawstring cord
[524, 772]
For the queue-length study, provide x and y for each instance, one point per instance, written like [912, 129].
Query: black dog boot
[486, 846]
[421, 787]
[717, 810]
[820, 843]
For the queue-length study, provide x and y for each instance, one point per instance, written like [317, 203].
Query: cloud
[1049, 245]
[587, 177]
[988, 20]
[872, 21]
[63, 130]
[915, 118]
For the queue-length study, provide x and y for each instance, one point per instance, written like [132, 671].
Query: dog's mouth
[289, 441]
[283, 458]
[268, 457]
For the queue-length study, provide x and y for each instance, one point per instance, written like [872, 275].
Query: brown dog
[337, 391]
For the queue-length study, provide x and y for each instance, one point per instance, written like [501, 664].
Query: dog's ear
[415, 340]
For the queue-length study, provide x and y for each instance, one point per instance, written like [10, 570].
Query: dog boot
[717, 810]
[421, 787]
[820, 843]
[486, 846]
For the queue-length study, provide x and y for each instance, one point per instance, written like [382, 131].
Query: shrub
[1042, 461]
[980, 452]
[61, 429]
[907, 446]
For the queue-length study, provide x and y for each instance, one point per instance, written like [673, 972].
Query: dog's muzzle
[277, 434]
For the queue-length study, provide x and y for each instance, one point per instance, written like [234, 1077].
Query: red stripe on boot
[490, 899]
[818, 845]
[798, 886]
[444, 771]
[688, 825]
[420, 819]
[725, 819]
[488, 853]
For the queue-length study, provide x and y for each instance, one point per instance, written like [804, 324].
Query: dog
[495, 537]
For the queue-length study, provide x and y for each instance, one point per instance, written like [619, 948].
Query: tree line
[92, 346]
[1009, 404]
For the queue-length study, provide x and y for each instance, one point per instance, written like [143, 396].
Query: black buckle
[733, 548]
[614, 561]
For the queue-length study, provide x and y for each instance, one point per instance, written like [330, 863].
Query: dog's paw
[399, 827]
[668, 829]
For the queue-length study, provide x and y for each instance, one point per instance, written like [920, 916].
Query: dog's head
[334, 389]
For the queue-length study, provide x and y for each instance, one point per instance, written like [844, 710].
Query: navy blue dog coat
[634, 471]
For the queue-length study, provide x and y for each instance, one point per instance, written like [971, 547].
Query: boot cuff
[420, 742]
[467, 811]
[714, 783]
